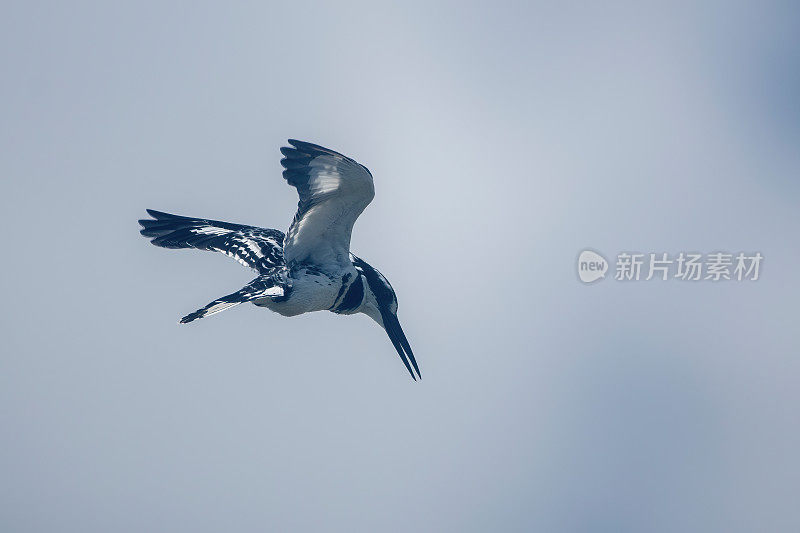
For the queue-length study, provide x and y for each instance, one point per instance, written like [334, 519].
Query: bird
[310, 267]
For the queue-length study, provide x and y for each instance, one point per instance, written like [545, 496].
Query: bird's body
[310, 268]
[312, 289]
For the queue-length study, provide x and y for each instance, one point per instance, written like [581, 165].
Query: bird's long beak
[392, 327]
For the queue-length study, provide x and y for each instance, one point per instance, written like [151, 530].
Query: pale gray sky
[504, 139]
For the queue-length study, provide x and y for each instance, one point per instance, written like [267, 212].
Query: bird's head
[380, 304]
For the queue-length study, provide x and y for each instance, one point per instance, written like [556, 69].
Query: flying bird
[310, 268]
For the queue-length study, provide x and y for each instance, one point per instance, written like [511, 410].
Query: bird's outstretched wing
[257, 248]
[333, 190]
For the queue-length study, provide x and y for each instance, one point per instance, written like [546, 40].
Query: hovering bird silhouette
[310, 268]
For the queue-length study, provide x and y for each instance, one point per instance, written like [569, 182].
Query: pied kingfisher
[311, 267]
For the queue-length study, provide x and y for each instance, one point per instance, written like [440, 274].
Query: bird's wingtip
[295, 143]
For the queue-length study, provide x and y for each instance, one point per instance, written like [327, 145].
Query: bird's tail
[260, 287]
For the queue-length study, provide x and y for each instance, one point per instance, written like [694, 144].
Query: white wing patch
[326, 178]
[210, 230]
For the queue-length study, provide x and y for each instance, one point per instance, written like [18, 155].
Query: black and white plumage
[310, 268]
